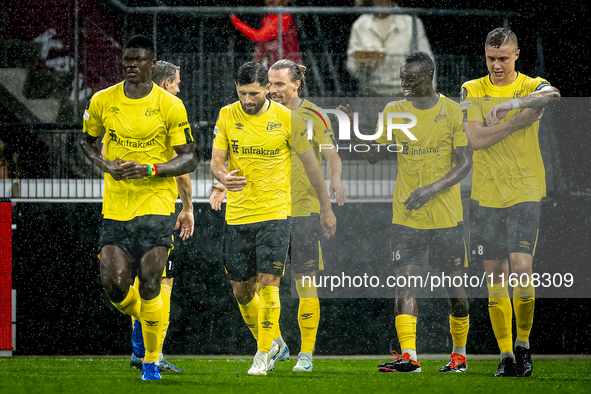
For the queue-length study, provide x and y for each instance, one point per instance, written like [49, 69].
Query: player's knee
[460, 307]
[149, 286]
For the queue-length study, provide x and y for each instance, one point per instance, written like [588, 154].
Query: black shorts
[306, 249]
[138, 236]
[497, 232]
[442, 248]
[256, 248]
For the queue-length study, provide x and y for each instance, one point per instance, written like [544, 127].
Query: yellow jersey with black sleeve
[510, 171]
[141, 130]
[303, 196]
[260, 147]
[439, 131]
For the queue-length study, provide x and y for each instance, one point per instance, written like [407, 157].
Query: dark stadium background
[61, 308]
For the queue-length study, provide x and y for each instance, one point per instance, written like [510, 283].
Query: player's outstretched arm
[185, 221]
[372, 156]
[218, 193]
[421, 196]
[327, 218]
[335, 172]
[536, 100]
[230, 180]
[88, 146]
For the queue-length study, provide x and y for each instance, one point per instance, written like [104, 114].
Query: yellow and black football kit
[137, 213]
[508, 174]
[306, 232]
[508, 184]
[260, 147]
[439, 131]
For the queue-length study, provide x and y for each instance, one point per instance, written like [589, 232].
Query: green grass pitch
[113, 375]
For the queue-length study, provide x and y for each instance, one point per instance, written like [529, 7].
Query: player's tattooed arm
[537, 101]
[88, 145]
[230, 180]
[185, 221]
[421, 196]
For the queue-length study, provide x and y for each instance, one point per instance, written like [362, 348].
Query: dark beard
[256, 109]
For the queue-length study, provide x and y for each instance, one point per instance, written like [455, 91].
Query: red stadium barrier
[5, 276]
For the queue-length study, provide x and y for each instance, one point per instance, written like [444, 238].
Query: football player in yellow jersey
[168, 77]
[501, 115]
[145, 126]
[286, 80]
[427, 206]
[258, 135]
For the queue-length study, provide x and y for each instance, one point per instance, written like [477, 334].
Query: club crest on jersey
[273, 126]
[152, 111]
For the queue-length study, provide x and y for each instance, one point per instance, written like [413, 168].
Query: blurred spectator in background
[378, 46]
[25, 155]
[268, 38]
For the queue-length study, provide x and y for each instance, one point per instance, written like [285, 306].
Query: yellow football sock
[406, 328]
[458, 327]
[501, 314]
[250, 314]
[136, 286]
[523, 302]
[308, 315]
[151, 318]
[131, 303]
[165, 291]
[268, 317]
